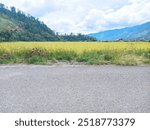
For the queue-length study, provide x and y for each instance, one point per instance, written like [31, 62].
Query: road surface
[74, 88]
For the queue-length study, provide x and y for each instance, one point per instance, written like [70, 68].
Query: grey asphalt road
[79, 88]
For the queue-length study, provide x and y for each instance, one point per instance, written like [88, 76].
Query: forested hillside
[15, 25]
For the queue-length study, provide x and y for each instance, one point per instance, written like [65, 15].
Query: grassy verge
[119, 54]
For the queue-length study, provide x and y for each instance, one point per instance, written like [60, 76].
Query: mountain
[17, 26]
[138, 33]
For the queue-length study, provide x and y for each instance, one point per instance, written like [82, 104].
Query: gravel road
[74, 88]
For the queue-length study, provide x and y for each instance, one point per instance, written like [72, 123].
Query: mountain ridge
[135, 33]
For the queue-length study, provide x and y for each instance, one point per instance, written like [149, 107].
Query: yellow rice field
[122, 53]
[78, 47]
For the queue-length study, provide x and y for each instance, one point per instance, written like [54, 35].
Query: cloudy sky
[85, 16]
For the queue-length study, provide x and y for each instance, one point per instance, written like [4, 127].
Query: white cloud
[85, 16]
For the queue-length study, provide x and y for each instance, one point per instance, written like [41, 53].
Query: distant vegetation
[15, 25]
[120, 53]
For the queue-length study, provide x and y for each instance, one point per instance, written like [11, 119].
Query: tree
[13, 9]
[2, 5]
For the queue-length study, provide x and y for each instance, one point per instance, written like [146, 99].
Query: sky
[85, 16]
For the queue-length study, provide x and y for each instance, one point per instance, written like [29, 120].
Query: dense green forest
[15, 25]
